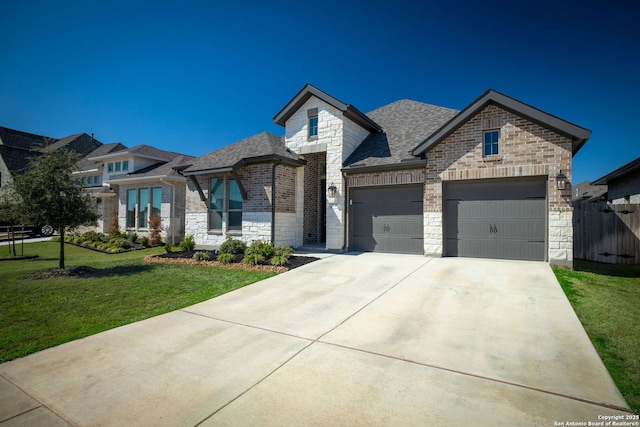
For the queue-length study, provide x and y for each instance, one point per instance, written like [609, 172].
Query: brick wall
[311, 200]
[526, 149]
[628, 185]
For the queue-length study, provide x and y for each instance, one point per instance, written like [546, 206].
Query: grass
[37, 314]
[606, 299]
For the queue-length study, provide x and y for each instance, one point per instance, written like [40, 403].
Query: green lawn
[37, 314]
[606, 298]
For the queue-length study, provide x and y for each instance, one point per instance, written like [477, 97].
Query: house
[623, 183]
[18, 148]
[492, 180]
[135, 183]
[589, 192]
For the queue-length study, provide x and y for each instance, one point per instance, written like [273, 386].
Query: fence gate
[606, 233]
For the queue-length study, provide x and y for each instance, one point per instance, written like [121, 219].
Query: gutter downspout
[173, 208]
[273, 201]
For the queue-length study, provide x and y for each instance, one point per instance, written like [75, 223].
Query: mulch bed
[173, 257]
[187, 258]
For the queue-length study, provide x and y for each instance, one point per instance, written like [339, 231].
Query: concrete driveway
[356, 339]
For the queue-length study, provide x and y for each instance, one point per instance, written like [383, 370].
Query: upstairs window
[491, 142]
[118, 166]
[312, 114]
[110, 167]
[125, 165]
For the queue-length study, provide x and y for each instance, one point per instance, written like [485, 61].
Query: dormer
[124, 162]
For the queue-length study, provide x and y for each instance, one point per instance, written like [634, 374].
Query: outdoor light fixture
[561, 181]
[332, 190]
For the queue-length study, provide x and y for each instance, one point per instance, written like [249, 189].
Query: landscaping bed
[187, 258]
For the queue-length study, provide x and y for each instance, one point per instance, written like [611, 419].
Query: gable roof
[263, 147]
[405, 124]
[579, 135]
[17, 159]
[349, 111]
[630, 167]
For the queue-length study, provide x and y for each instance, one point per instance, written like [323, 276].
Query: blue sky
[192, 76]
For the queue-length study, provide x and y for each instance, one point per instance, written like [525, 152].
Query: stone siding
[626, 186]
[526, 149]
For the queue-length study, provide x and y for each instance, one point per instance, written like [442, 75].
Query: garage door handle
[493, 228]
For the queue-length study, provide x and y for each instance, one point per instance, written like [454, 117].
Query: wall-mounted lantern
[561, 181]
[332, 191]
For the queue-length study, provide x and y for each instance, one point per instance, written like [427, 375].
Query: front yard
[606, 299]
[39, 313]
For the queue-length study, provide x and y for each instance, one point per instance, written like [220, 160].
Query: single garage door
[503, 219]
[387, 219]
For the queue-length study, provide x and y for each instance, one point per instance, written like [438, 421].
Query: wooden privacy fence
[606, 233]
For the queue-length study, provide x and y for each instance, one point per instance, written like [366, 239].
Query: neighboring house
[144, 181]
[407, 178]
[588, 192]
[623, 183]
[18, 148]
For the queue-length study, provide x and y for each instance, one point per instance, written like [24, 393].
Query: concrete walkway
[364, 339]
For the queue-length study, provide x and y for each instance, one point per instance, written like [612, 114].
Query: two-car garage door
[503, 219]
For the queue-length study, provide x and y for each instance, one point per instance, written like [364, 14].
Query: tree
[51, 195]
[10, 212]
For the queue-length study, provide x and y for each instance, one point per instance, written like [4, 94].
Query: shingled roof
[22, 140]
[405, 124]
[142, 150]
[262, 147]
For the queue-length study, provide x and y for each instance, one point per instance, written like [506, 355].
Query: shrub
[279, 260]
[188, 245]
[155, 225]
[233, 246]
[144, 241]
[91, 236]
[262, 248]
[168, 247]
[115, 250]
[226, 258]
[201, 256]
[133, 237]
[285, 251]
[253, 259]
[119, 242]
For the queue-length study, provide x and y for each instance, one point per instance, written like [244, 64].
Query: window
[141, 204]
[125, 165]
[90, 180]
[143, 208]
[156, 201]
[491, 140]
[110, 167]
[217, 196]
[96, 179]
[216, 203]
[313, 126]
[118, 166]
[235, 206]
[132, 198]
[84, 180]
[312, 114]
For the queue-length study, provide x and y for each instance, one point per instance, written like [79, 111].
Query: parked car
[35, 230]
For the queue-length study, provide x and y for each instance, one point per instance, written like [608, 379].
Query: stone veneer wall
[256, 214]
[526, 149]
[338, 137]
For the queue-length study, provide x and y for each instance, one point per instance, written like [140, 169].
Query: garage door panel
[496, 219]
[387, 219]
